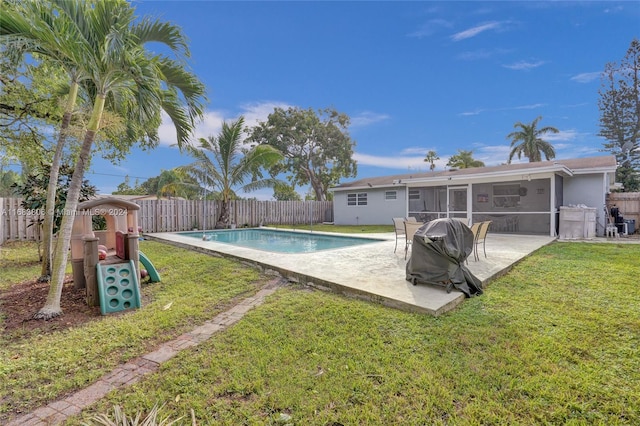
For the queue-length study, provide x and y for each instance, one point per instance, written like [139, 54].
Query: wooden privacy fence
[182, 215]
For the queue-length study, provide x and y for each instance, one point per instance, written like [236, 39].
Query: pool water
[280, 241]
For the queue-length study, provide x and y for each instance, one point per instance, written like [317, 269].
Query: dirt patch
[21, 301]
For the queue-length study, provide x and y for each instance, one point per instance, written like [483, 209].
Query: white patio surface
[372, 271]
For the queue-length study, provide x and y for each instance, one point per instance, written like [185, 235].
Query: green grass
[555, 341]
[36, 369]
[346, 229]
[18, 262]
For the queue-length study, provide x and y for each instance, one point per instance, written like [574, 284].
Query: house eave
[522, 173]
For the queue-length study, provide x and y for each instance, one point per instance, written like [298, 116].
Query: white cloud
[523, 65]
[367, 117]
[415, 150]
[585, 77]
[531, 106]
[430, 27]
[412, 163]
[496, 158]
[474, 31]
[211, 123]
[565, 136]
[256, 112]
[614, 10]
[482, 54]
[478, 111]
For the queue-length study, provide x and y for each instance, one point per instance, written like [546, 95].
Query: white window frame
[390, 195]
[357, 199]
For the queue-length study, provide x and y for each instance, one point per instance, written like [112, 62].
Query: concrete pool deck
[371, 271]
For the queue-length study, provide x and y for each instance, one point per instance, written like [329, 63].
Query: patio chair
[611, 229]
[481, 238]
[398, 225]
[474, 230]
[410, 219]
[410, 229]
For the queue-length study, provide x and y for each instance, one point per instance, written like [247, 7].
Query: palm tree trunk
[223, 219]
[52, 308]
[49, 214]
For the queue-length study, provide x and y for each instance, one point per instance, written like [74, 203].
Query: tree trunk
[223, 219]
[49, 213]
[52, 309]
[315, 184]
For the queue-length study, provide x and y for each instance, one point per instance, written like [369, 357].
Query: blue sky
[413, 76]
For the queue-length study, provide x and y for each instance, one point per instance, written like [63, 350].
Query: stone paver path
[131, 372]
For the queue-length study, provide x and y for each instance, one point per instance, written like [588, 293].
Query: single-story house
[518, 198]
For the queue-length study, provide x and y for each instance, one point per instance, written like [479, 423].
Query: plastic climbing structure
[106, 262]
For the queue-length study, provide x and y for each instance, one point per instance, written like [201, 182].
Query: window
[359, 199]
[506, 195]
[414, 194]
[390, 195]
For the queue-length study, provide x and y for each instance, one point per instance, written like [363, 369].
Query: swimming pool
[280, 241]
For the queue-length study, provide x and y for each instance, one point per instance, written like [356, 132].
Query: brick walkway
[131, 372]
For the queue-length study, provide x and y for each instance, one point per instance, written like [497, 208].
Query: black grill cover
[438, 252]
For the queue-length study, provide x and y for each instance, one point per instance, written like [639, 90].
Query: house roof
[568, 167]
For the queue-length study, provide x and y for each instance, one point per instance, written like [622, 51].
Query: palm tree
[431, 158]
[221, 162]
[464, 160]
[177, 183]
[31, 27]
[529, 142]
[106, 46]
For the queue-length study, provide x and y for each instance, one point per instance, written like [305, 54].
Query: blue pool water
[280, 241]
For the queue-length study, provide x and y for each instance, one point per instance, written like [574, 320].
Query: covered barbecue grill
[439, 250]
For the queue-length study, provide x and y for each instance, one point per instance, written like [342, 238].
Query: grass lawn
[555, 341]
[36, 368]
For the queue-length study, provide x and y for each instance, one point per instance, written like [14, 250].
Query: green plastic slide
[151, 270]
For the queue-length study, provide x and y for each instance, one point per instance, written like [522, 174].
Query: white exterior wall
[378, 210]
[589, 190]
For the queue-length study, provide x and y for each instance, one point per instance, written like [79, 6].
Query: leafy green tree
[125, 188]
[528, 141]
[285, 192]
[28, 107]
[23, 31]
[431, 158]
[105, 41]
[33, 191]
[317, 147]
[177, 183]
[619, 106]
[464, 160]
[223, 164]
[8, 179]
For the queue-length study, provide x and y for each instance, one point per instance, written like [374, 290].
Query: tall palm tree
[529, 142]
[221, 162]
[464, 160]
[431, 158]
[32, 27]
[107, 46]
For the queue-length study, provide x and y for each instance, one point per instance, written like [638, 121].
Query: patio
[372, 271]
